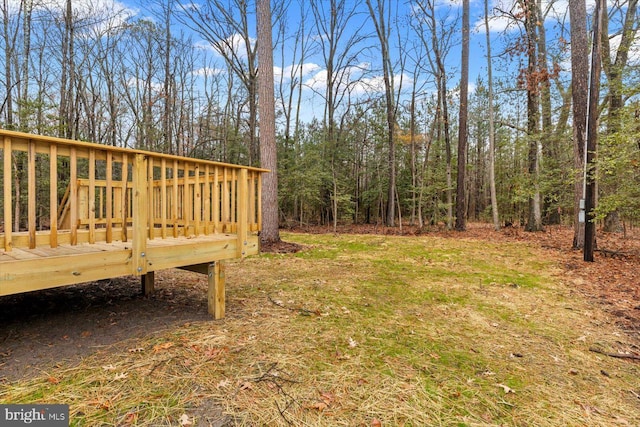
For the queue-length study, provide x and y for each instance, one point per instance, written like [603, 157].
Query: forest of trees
[367, 100]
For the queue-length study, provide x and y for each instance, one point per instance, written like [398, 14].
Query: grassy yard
[366, 330]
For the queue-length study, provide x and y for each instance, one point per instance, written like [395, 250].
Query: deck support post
[216, 291]
[148, 283]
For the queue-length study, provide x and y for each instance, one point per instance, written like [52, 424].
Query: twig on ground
[616, 355]
[277, 380]
[301, 310]
[614, 254]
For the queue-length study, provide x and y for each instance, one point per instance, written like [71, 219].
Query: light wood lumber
[242, 213]
[7, 191]
[92, 196]
[109, 197]
[73, 195]
[53, 196]
[148, 283]
[216, 292]
[140, 215]
[31, 194]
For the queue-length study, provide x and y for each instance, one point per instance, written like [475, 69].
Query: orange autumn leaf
[163, 346]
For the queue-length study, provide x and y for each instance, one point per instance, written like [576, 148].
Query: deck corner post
[216, 292]
[243, 212]
[140, 213]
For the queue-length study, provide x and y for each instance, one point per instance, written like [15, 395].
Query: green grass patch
[411, 331]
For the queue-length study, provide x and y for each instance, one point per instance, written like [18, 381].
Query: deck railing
[76, 192]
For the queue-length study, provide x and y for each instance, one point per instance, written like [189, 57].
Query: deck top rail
[57, 191]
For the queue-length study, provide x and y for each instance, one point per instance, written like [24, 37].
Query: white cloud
[234, 45]
[295, 70]
[97, 16]
[136, 82]
[207, 71]
[351, 80]
[318, 81]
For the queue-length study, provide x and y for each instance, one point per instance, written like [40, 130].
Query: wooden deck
[77, 212]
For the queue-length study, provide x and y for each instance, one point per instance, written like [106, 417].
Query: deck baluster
[7, 192]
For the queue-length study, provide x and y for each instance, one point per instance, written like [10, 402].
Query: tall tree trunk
[169, 96]
[266, 104]
[615, 73]
[461, 220]
[550, 146]
[592, 132]
[9, 48]
[67, 79]
[580, 94]
[27, 8]
[382, 30]
[534, 222]
[492, 137]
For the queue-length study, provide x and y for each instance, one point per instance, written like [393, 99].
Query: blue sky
[363, 71]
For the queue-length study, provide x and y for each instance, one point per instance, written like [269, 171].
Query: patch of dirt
[280, 247]
[43, 328]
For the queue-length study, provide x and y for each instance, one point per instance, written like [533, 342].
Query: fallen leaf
[223, 383]
[53, 380]
[136, 350]
[352, 343]
[215, 352]
[319, 406]
[109, 368]
[185, 421]
[327, 398]
[506, 389]
[131, 418]
[163, 346]
[85, 334]
[376, 423]
[121, 376]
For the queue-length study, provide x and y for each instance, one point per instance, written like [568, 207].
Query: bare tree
[492, 137]
[436, 36]
[9, 34]
[381, 18]
[68, 75]
[615, 72]
[27, 8]
[339, 50]
[225, 25]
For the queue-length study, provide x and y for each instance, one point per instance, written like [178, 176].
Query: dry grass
[405, 330]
